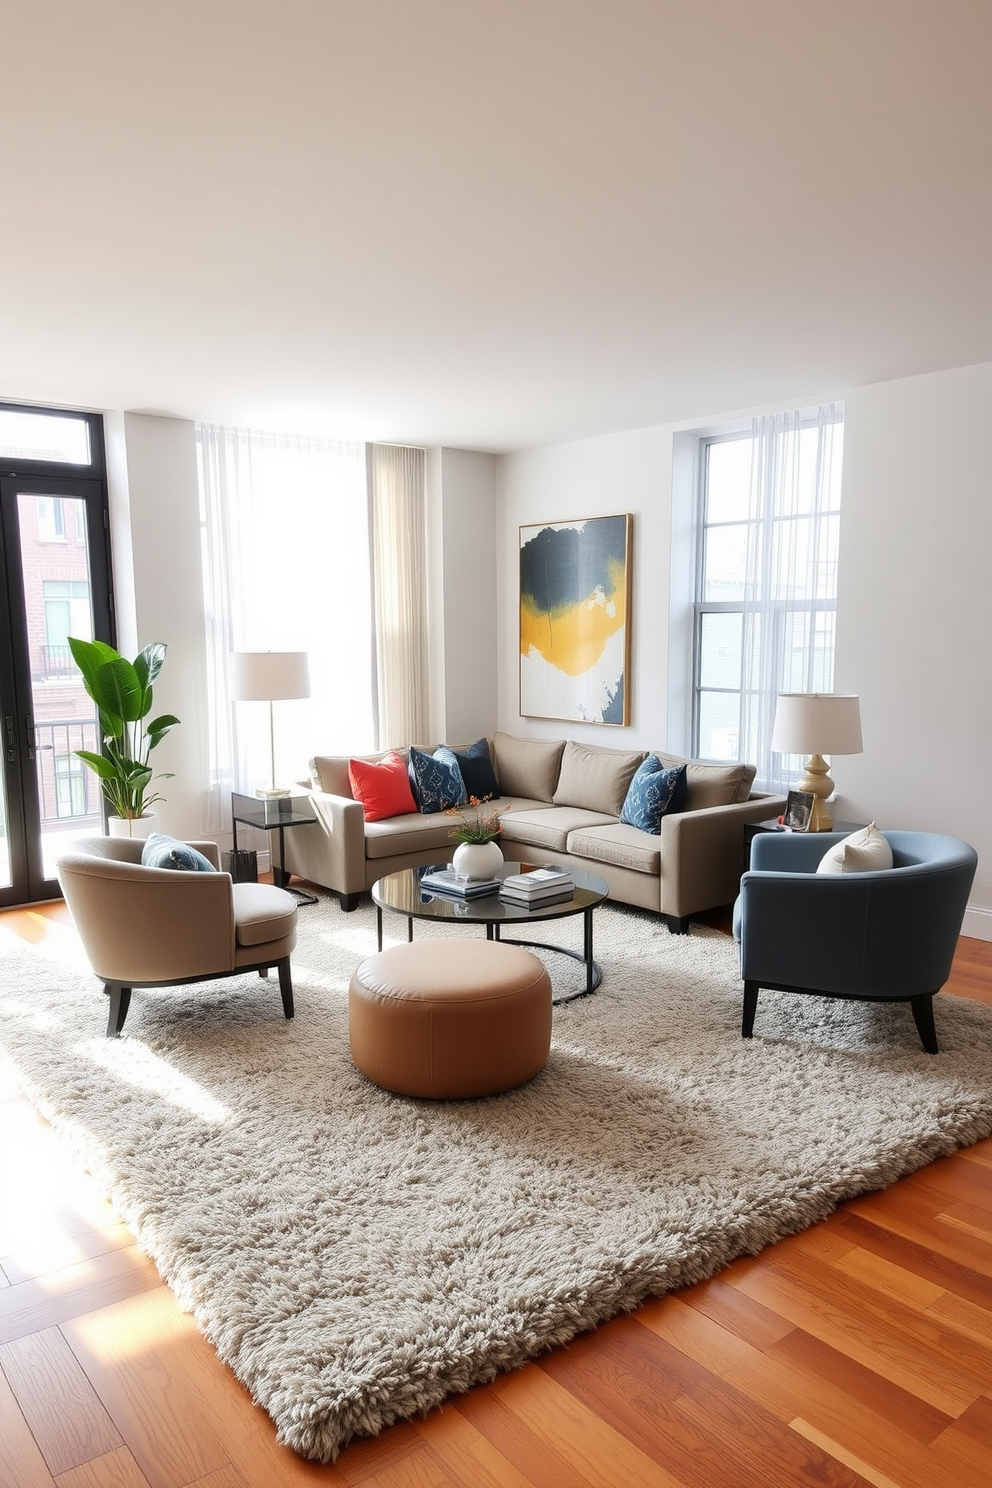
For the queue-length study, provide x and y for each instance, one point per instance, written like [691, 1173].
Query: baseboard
[977, 922]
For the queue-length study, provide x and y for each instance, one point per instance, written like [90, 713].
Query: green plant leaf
[119, 690]
[101, 766]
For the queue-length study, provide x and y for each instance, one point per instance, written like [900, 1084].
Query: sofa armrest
[702, 853]
[331, 852]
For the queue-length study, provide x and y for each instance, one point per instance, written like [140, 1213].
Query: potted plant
[122, 691]
[478, 854]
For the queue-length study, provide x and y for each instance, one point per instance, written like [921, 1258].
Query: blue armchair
[885, 936]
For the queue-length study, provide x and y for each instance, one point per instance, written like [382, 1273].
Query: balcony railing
[69, 791]
[56, 661]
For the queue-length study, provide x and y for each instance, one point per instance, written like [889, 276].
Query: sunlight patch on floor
[136, 1065]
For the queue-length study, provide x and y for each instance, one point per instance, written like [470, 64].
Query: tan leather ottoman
[448, 1019]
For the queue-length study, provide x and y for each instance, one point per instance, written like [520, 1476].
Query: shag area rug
[357, 1256]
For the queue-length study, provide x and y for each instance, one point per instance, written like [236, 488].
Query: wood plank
[888, 1354]
[224, 1477]
[21, 1462]
[792, 1391]
[678, 1413]
[127, 1355]
[735, 1311]
[967, 1442]
[533, 1453]
[917, 1256]
[973, 1322]
[41, 1369]
[57, 1249]
[886, 1277]
[465, 1453]
[61, 1295]
[864, 1470]
[114, 1470]
[371, 1458]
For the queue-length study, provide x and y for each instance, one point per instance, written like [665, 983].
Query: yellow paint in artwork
[573, 637]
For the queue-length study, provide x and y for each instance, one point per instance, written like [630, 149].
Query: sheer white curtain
[397, 488]
[790, 587]
[286, 567]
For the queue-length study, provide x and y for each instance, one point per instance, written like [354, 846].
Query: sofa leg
[677, 924]
[349, 902]
[923, 1018]
[751, 990]
[120, 1001]
[286, 987]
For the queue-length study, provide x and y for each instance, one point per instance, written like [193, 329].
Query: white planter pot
[477, 859]
[139, 827]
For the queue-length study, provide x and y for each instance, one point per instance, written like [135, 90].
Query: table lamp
[815, 724]
[267, 677]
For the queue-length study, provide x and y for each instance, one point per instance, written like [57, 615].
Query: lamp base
[816, 780]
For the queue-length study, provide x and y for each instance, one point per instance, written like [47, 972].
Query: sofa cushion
[527, 767]
[595, 779]
[865, 851]
[383, 788]
[476, 765]
[161, 851]
[549, 827]
[436, 780]
[655, 790]
[408, 834]
[617, 844]
[712, 785]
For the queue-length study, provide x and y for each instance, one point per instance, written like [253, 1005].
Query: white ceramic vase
[139, 827]
[477, 859]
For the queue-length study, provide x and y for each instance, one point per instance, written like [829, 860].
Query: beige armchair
[162, 927]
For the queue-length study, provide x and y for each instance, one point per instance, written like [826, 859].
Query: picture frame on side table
[575, 619]
[798, 810]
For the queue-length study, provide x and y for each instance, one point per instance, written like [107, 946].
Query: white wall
[914, 609]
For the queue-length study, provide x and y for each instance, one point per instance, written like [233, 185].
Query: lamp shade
[265, 676]
[817, 723]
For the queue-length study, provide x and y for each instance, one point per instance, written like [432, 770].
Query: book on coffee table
[538, 881]
[535, 901]
[447, 881]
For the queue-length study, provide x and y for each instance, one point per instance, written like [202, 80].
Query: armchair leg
[923, 1018]
[120, 1001]
[286, 987]
[349, 902]
[751, 990]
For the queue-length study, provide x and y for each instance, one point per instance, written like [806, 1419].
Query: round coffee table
[403, 893]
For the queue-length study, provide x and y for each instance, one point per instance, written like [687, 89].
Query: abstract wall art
[575, 619]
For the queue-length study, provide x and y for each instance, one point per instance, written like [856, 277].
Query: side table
[274, 814]
[751, 830]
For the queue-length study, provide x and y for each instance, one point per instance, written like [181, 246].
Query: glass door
[54, 583]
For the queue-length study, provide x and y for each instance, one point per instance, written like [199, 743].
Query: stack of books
[447, 881]
[538, 887]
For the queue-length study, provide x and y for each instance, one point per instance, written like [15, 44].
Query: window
[67, 613]
[51, 519]
[766, 588]
[28, 434]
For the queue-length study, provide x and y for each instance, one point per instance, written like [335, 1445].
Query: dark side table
[751, 830]
[274, 814]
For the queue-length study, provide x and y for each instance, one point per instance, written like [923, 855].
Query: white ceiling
[489, 224]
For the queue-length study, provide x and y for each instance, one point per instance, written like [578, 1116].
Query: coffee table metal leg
[587, 947]
[378, 924]
[409, 928]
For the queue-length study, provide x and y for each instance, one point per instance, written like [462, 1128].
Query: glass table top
[404, 893]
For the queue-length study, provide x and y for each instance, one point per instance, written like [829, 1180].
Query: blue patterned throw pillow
[436, 779]
[161, 851]
[653, 793]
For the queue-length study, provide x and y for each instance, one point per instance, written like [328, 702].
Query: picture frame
[798, 811]
[575, 619]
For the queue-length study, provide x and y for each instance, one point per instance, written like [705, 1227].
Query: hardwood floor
[857, 1352]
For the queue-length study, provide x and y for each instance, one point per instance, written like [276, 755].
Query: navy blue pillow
[161, 851]
[653, 793]
[436, 779]
[477, 770]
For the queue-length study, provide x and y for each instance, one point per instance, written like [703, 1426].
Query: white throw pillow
[863, 852]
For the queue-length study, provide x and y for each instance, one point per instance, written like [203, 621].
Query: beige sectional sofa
[565, 800]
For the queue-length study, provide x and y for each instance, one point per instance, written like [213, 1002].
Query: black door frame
[42, 478]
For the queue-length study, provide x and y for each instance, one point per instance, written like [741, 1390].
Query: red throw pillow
[383, 788]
